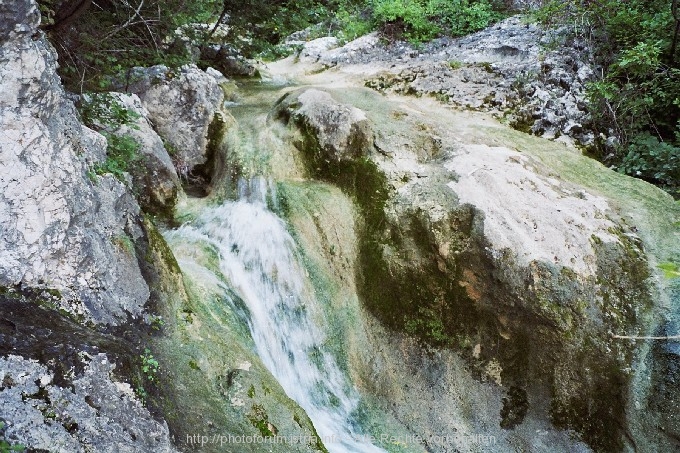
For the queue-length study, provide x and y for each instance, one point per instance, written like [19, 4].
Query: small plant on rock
[105, 114]
[150, 366]
[5, 446]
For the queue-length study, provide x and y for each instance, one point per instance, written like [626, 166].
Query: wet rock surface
[488, 251]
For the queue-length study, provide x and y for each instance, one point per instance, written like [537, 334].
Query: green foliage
[5, 446]
[194, 365]
[551, 13]
[103, 109]
[653, 160]
[353, 22]
[149, 366]
[637, 97]
[157, 322]
[421, 20]
[103, 113]
[121, 151]
[259, 419]
[107, 38]
[461, 17]
[112, 36]
[407, 18]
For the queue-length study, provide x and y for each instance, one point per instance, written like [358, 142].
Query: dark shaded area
[515, 407]
[31, 326]
[666, 380]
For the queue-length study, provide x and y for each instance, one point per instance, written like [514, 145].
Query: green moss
[670, 270]
[194, 366]
[124, 243]
[159, 248]
[260, 420]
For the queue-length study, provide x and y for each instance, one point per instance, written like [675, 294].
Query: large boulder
[339, 132]
[313, 50]
[154, 176]
[471, 240]
[61, 229]
[182, 105]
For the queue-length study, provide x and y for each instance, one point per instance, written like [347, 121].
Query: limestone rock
[313, 50]
[59, 229]
[154, 177]
[466, 243]
[182, 106]
[94, 413]
[503, 69]
[340, 132]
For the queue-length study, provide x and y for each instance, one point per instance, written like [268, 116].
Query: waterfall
[259, 259]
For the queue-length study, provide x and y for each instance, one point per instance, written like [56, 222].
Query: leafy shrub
[461, 17]
[149, 366]
[405, 17]
[654, 161]
[421, 20]
[121, 151]
[102, 110]
[353, 22]
[637, 98]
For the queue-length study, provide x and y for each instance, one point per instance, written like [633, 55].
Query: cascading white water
[258, 258]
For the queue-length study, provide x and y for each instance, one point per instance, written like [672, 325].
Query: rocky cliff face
[87, 283]
[472, 241]
[71, 243]
[61, 230]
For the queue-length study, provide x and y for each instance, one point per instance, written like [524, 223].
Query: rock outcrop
[95, 412]
[489, 251]
[182, 106]
[74, 267]
[532, 78]
[341, 132]
[154, 176]
[61, 230]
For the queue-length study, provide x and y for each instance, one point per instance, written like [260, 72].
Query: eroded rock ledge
[488, 251]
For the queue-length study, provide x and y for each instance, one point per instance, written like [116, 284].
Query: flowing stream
[259, 260]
